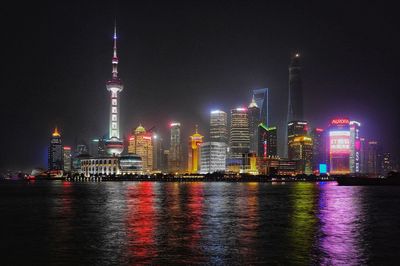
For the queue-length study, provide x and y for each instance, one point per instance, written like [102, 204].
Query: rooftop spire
[56, 133]
[115, 57]
[253, 102]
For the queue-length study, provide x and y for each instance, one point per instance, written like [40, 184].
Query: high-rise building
[213, 157]
[56, 158]
[114, 144]
[267, 141]
[295, 129]
[67, 158]
[319, 148]
[141, 143]
[295, 101]
[254, 120]
[363, 156]
[339, 146]
[387, 163]
[175, 155]
[195, 141]
[218, 126]
[260, 96]
[239, 133]
[355, 146]
[373, 158]
[301, 149]
[158, 154]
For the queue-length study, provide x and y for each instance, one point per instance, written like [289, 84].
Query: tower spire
[115, 57]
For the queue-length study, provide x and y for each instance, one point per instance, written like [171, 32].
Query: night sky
[179, 60]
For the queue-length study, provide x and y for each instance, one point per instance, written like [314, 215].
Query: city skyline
[81, 113]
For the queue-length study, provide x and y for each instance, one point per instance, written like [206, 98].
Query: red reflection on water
[141, 221]
[196, 208]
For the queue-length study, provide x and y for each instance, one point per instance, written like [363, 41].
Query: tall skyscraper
[175, 155]
[254, 120]
[363, 156]
[195, 141]
[339, 146]
[67, 158]
[114, 144]
[355, 146]
[213, 157]
[56, 158]
[387, 163]
[295, 100]
[373, 158]
[319, 148]
[267, 141]
[141, 143]
[158, 153]
[239, 137]
[260, 96]
[218, 126]
[295, 129]
[295, 104]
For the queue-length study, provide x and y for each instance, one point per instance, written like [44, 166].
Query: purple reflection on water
[340, 214]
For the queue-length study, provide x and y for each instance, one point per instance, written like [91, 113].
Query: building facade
[175, 156]
[55, 154]
[218, 126]
[339, 146]
[67, 158]
[195, 141]
[295, 129]
[213, 157]
[239, 143]
[260, 96]
[318, 137]
[355, 147]
[254, 121]
[301, 149]
[267, 145]
[141, 143]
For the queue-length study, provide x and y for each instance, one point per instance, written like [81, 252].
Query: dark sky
[179, 60]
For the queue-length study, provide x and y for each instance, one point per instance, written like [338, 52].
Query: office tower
[301, 149]
[195, 141]
[55, 159]
[355, 146]
[67, 158]
[267, 145]
[158, 153]
[295, 129]
[218, 126]
[295, 100]
[175, 150]
[254, 120]
[363, 156]
[114, 144]
[239, 133]
[260, 96]
[373, 158]
[213, 157]
[387, 163]
[319, 148]
[140, 143]
[339, 146]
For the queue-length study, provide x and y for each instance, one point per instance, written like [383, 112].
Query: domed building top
[56, 133]
[140, 129]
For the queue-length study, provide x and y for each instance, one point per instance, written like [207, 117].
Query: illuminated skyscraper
[254, 121]
[387, 163]
[363, 156]
[141, 143]
[318, 137]
[339, 146]
[175, 151]
[260, 96]
[213, 157]
[218, 126]
[373, 158]
[67, 158]
[114, 144]
[295, 129]
[295, 101]
[301, 149]
[267, 141]
[159, 164]
[194, 152]
[355, 147]
[239, 137]
[56, 158]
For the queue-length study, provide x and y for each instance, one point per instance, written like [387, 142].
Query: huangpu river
[128, 223]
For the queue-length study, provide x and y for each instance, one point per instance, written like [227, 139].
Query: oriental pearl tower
[114, 145]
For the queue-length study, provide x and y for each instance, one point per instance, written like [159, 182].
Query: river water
[126, 223]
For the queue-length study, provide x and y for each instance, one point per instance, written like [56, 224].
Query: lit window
[114, 101]
[114, 110]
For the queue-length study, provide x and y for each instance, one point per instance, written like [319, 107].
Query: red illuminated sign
[340, 121]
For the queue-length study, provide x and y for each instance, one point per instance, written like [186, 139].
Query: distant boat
[393, 179]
